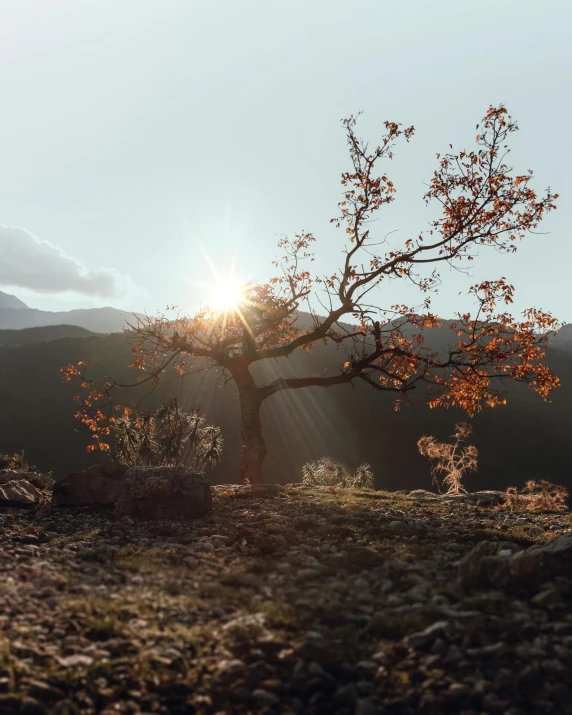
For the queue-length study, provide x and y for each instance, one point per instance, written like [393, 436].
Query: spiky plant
[327, 472]
[168, 437]
[450, 460]
[363, 477]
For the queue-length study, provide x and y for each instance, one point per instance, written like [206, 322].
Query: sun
[227, 294]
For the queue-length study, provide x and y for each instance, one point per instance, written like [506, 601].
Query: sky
[144, 142]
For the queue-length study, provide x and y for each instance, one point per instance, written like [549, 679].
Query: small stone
[31, 706]
[346, 694]
[264, 698]
[563, 629]
[427, 636]
[535, 531]
[173, 653]
[44, 691]
[454, 655]
[366, 706]
[551, 666]
[317, 670]
[65, 707]
[395, 524]
[458, 691]
[75, 660]
[547, 597]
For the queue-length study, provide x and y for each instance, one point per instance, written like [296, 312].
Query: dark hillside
[527, 439]
[28, 336]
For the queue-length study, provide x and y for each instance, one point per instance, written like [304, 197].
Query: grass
[88, 536]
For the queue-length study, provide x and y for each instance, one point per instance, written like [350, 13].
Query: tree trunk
[253, 445]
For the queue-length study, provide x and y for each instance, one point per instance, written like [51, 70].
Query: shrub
[536, 497]
[16, 461]
[328, 472]
[450, 460]
[168, 437]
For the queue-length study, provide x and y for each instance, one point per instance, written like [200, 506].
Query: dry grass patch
[536, 497]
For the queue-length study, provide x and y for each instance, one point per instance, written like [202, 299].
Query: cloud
[27, 262]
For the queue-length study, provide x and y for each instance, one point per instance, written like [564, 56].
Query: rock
[346, 694]
[97, 486]
[366, 706]
[535, 531]
[31, 706]
[423, 495]
[40, 481]
[76, 660]
[164, 493]
[400, 621]
[542, 562]
[264, 698]
[488, 497]
[43, 691]
[458, 691]
[9, 703]
[483, 565]
[65, 707]
[490, 564]
[17, 491]
[426, 637]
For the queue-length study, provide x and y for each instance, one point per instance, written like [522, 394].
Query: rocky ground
[288, 600]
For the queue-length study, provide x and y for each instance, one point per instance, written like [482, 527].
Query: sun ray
[226, 293]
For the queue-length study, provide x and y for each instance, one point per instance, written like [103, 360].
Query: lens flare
[226, 294]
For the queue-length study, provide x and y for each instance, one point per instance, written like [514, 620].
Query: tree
[482, 204]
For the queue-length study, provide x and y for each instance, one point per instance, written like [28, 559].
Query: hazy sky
[138, 135]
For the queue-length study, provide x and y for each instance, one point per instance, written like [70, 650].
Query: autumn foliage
[480, 202]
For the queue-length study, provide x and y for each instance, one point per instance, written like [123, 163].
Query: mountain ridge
[7, 300]
[16, 315]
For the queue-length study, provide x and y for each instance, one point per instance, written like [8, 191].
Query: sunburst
[227, 293]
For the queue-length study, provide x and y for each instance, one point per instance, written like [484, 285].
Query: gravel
[290, 600]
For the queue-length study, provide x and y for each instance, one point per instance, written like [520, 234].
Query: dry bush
[168, 437]
[16, 462]
[450, 460]
[536, 497]
[328, 472]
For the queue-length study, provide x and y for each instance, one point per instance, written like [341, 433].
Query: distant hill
[15, 315]
[563, 341]
[526, 439]
[10, 301]
[27, 336]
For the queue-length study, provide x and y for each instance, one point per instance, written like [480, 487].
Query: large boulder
[97, 486]
[543, 562]
[164, 493]
[493, 563]
[43, 482]
[19, 488]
